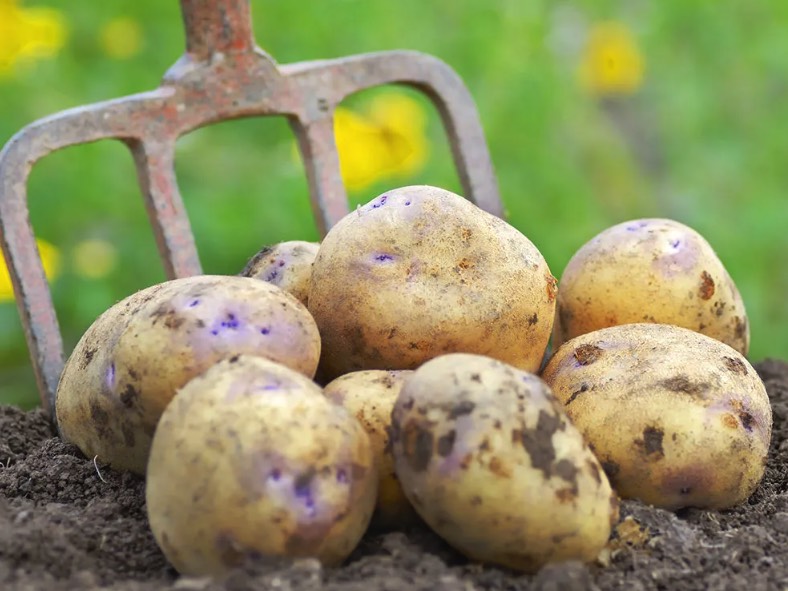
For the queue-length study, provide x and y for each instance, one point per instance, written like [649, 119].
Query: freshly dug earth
[66, 523]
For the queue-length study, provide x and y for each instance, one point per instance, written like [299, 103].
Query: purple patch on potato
[230, 322]
[675, 256]
[303, 491]
[637, 226]
[381, 201]
[267, 386]
[383, 257]
[110, 378]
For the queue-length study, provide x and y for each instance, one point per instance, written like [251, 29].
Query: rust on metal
[222, 75]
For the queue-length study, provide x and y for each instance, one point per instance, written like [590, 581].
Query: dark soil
[66, 523]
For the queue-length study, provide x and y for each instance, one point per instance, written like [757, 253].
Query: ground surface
[63, 527]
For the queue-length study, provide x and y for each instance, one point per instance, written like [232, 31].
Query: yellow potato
[251, 460]
[370, 396]
[287, 265]
[121, 375]
[677, 419]
[650, 270]
[420, 271]
[491, 462]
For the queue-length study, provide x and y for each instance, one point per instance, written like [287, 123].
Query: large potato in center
[419, 272]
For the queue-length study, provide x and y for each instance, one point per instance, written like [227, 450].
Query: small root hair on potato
[95, 465]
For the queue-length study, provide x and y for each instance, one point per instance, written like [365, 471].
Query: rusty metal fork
[222, 75]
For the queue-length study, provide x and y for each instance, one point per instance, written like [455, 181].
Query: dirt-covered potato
[251, 460]
[420, 271]
[677, 419]
[650, 270]
[127, 366]
[491, 462]
[370, 396]
[287, 265]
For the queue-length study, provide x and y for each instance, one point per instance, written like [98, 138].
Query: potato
[650, 270]
[250, 460]
[491, 462]
[370, 396]
[122, 374]
[420, 271]
[287, 265]
[678, 419]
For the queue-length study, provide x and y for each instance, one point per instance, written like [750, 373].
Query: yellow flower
[50, 257]
[94, 258]
[612, 62]
[28, 34]
[387, 141]
[121, 38]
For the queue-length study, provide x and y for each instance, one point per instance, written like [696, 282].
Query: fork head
[222, 75]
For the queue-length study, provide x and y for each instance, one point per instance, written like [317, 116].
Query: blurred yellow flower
[388, 140]
[28, 34]
[121, 38]
[94, 258]
[612, 62]
[50, 257]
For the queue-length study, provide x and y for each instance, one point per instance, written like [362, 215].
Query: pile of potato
[400, 371]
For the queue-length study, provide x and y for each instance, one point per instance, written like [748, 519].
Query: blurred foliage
[594, 112]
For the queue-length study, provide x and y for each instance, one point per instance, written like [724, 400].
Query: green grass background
[704, 141]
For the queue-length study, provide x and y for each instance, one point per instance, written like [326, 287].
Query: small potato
[287, 265]
[677, 419]
[650, 270]
[421, 271]
[250, 460]
[491, 462]
[123, 373]
[370, 396]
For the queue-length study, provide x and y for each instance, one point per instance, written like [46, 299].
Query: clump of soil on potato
[67, 523]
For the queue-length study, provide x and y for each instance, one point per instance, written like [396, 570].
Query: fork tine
[33, 298]
[426, 73]
[321, 161]
[168, 217]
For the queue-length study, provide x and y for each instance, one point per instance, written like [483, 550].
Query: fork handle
[217, 26]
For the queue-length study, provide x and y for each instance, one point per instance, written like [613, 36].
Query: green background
[703, 141]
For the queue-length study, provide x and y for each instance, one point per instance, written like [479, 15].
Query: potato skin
[111, 395]
[677, 419]
[370, 396]
[650, 270]
[492, 463]
[86, 409]
[288, 265]
[420, 271]
[251, 460]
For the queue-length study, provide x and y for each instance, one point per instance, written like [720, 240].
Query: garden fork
[222, 75]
